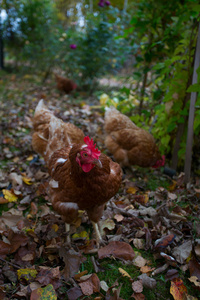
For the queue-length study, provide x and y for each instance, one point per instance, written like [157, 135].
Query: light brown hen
[129, 144]
[41, 123]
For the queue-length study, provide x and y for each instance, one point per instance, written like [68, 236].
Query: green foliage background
[159, 35]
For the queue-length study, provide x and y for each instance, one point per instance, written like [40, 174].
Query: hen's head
[88, 156]
[74, 86]
[159, 163]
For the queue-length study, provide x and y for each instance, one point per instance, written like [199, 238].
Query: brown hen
[129, 144]
[82, 178]
[65, 84]
[41, 122]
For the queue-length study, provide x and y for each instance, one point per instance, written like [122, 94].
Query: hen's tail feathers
[40, 106]
[58, 137]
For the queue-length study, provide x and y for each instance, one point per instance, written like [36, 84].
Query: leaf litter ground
[151, 228]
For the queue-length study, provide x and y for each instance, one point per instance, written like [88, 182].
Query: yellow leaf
[30, 158]
[124, 273]
[16, 159]
[103, 99]
[45, 293]
[8, 195]
[132, 190]
[146, 197]
[82, 234]
[178, 289]
[55, 227]
[28, 274]
[172, 187]
[27, 180]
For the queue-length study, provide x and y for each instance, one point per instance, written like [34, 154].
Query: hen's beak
[97, 162]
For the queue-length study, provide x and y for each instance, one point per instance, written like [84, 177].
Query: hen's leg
[99, 239]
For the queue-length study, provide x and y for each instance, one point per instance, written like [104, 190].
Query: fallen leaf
[82, 234]
[30, 158]
[137, 286]
[171, 274]
[15, 179]
[172, 187]
[45, 293]
[74, 293]
[107, 223]
[138, 243]
[194, 268]
[34, 209]
[104, 286]
[146, 269]
[3, 200]
[8, 195]
[27, 180]
[182, 252]
[91, 285]
[147, 282]
[138, 296]
[79, 275]
[72, 260]
[132, 190]
[139, 261]
[118, 217]
[164, 241]
[178, 289]
[117, 249]
[27, 274]
[195, 280]
[124, 273]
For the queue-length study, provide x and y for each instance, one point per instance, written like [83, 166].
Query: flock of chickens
[81, 177]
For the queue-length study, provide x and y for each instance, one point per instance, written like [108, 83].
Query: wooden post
[188, 155]
[1, 46]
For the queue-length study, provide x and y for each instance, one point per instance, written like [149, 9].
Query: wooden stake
[188, 155]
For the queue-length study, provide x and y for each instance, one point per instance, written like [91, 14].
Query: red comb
[90, 143]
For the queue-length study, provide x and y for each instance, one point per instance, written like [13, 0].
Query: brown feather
[90, 191]
[45, 143]
[65, 84]
[129, 144]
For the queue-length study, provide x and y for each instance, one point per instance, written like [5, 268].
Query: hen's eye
[85, 155]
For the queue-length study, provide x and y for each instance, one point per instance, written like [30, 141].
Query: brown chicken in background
[64, 84]
[129, 144]
[82, 178]
[41, 123]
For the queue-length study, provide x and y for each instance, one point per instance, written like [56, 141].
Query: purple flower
[101, 3]
[73, 46]
[107, 3]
